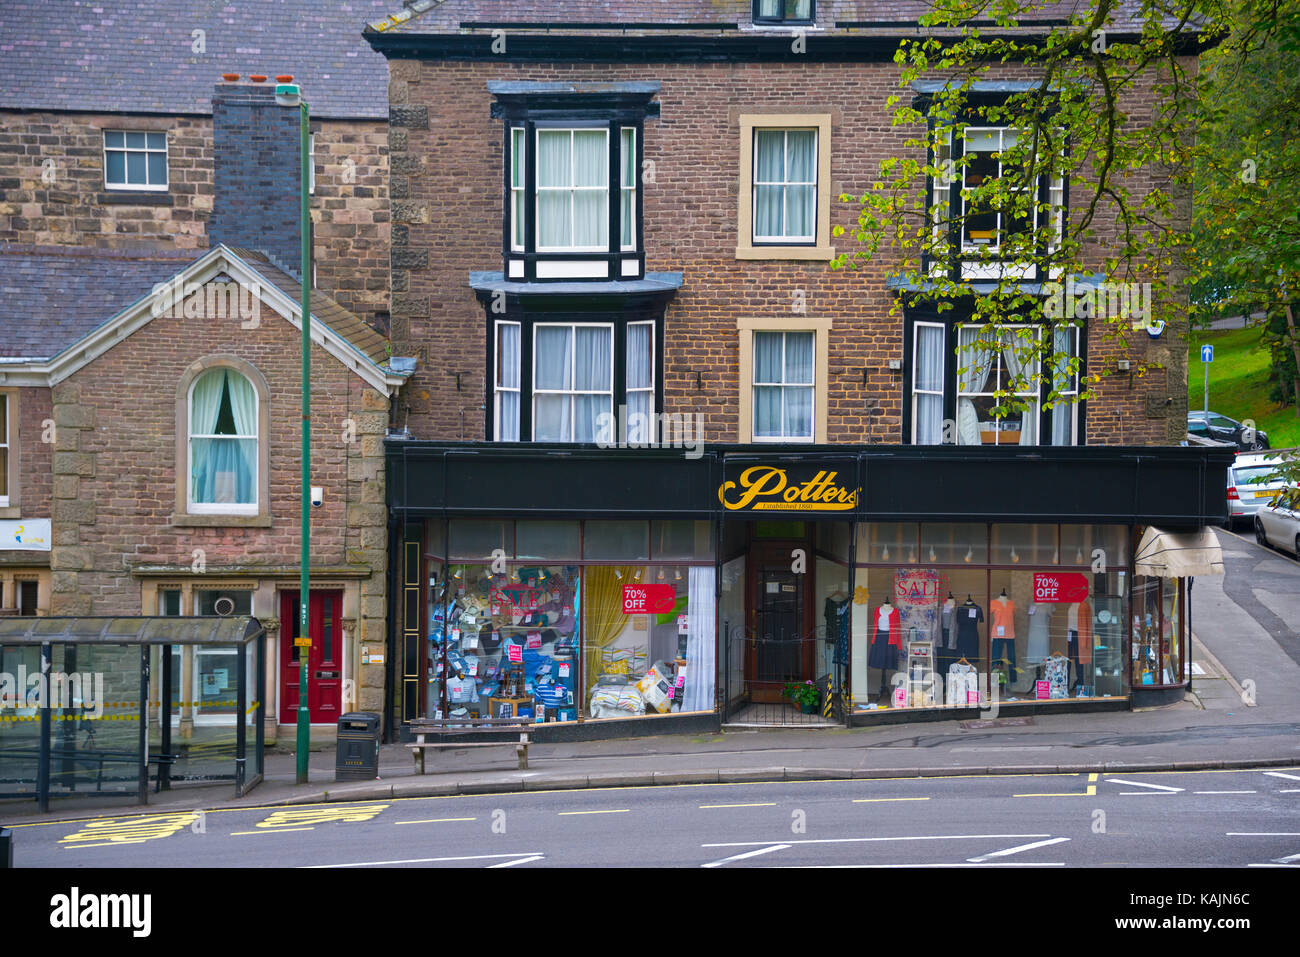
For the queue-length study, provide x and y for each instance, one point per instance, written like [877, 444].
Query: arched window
[223, 443]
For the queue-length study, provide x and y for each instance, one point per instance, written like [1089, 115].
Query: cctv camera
[317, 496]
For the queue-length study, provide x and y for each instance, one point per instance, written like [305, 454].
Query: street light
[290, 95]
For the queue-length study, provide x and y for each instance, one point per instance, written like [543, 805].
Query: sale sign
[648, 599]
[1060, 587]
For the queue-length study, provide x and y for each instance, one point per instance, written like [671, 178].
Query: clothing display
[888, 639]
[1002, 611]
[1040, 620]
[947, 640]
[1004, 655]
[836, 614]
[969, 616]
[1080, 621]
[962, 686]
[1056, 669]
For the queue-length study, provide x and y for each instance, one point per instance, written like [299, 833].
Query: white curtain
[627, 195]
[590, 206]
[592, 373]
[508, 378]
[767, 368]
[701, 641]
[769, 168]
[223, 470]
[928, 375]
[1063, 412]
[801, 149]
[798, 369]
[973, 367]
[1018, 354]
[554, 169]
[552, 347]
[640, 389]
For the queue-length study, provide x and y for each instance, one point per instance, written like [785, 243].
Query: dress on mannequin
[1040, 621]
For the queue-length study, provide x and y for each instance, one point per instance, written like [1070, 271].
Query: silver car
[1248, 485]
[1278, 523]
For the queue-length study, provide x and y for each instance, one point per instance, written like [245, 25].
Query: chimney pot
[257, 77]
[284, 78]
[230, 77]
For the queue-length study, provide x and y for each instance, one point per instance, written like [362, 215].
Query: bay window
[969, 385]
[572, 190]
[572, 381]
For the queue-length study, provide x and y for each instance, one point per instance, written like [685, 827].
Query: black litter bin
[6, 847]
[357, 757]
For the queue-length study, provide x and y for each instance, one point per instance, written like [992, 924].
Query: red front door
[324, 658]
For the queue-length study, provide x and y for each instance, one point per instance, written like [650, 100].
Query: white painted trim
[572, 270]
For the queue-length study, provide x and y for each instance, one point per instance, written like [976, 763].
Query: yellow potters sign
[767, 488]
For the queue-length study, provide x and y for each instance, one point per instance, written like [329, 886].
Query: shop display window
[480, 539]
[547, 541]
[616, 541]
[1102, 547]
[887, 542]
[504, 644]
[1024, 545]
[681, 540]
[1156, 653]
[655, 661]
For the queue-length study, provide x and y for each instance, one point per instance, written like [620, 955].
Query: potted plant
[807, 696]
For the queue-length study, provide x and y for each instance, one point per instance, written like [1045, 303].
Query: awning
[1178, 554]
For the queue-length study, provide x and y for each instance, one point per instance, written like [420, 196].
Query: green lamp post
[289, 94]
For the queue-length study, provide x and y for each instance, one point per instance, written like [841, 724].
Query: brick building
[153, 399]
[627, 209]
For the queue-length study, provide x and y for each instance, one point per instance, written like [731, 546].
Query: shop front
[612, 592]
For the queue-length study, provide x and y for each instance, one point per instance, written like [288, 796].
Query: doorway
[324, 658]
[782, 645]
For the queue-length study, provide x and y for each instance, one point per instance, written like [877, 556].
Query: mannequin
[1079, 639]
[1040, 620]
[947, 640]
[969, 615]
[1002, 628]
[886, 641]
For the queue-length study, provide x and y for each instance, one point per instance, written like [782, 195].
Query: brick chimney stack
[257, 172]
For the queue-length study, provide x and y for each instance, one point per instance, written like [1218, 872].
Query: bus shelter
[102, 706]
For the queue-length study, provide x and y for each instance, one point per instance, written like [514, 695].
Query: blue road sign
[1207, 353]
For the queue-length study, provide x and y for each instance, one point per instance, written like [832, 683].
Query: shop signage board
[1060, 587]
[26, 534]
[648, 599]
[807, 488]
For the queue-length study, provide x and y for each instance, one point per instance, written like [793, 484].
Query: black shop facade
[620, 592]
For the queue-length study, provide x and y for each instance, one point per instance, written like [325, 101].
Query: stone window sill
[126, 197]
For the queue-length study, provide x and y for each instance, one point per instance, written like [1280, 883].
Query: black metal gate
[760, 670]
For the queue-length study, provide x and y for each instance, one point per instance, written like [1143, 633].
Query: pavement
[1243, 712]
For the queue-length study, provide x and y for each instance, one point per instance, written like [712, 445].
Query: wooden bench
[461, 728]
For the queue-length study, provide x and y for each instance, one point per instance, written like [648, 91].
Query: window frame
[819, 248]
[9, 401]
[217, 508]
[125, 150]
[914, 316]
[760, 19]
[572, 190]
[190, 513]
[914, 391]
[972, 262]
[1009, 332]
[527, 322]
[783, 385]
[572, 393]
[821, 329]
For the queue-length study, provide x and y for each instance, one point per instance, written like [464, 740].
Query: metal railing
[759, 668]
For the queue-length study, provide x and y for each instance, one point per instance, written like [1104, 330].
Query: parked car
[1248, 485]
[1278, 523]
[1212, 425]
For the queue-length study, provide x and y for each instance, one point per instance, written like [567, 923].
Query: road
[1218, 818]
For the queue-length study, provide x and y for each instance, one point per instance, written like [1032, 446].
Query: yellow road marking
[321, 815]
[278, 830]
[131, 830]
[438, 820]
[878, 800]
[623, 810]
[704, 807]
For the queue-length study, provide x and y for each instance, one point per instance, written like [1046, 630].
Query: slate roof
[139, 57]
[52, 297]
[451, 16]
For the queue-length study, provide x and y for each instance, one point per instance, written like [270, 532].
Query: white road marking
[1280, 774]
[1225, 792]
[1028, 747]
[621, 810]
[932, 864]
[419, 860]
[522, 860]
[1197, 669]
[1015, 850]
[706, 807]
[741, 857]
[860, 840]
[1286, 860]
[1289, 791]
[1262, 834]
[1149, 793]
[1142, 784]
